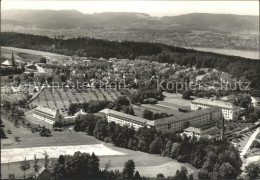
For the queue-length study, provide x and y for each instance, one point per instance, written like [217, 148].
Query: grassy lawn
[170, 105]
[29, 139]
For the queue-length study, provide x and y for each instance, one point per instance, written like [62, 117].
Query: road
[250, 141]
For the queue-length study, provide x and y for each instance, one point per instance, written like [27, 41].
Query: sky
[154, 8]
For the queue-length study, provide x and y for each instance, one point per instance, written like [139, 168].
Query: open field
[18, 154]
[6, 52]
[147, 164]
[170, 105]
[29, 52]
[61, 98]
[29, 139]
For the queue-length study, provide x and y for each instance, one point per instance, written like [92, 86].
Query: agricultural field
[29, 54]
[62, 98]
[18, 55]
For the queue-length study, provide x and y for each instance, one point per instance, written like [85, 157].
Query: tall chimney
[222, 127]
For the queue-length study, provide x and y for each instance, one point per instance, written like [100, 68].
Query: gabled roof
[186, 116]
[194, 130]
[52, 112]
[123, 115]
[40, 171]
[211, 102]
[7, 63]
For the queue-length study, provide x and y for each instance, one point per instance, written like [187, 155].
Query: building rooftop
[194, 130]
[7, 63]
[127, 116]
[186, 115]
[212, 102]
[46, 110]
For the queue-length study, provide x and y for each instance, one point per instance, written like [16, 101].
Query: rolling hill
[70, 19]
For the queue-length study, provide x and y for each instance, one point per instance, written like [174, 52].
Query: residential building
[229, 110]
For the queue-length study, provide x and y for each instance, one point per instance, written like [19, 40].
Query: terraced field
[61, 98]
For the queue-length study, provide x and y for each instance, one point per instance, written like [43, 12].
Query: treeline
[83, 46]
[213, 156]
[121, 104]
[86, 166]
[11, 71]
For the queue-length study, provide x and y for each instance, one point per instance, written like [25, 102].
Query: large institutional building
[174, 123]
[125, 119]
[47, 117]
[195, 119]
[229, 111]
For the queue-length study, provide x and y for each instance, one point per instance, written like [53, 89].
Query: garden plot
[18, 154]
[61, 99]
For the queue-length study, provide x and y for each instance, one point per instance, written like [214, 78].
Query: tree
[46, 159]
[122, 101]
[25, 165]
[255, 144]
[160, 176]
[252, 170]
[137, 175]
[147, 114]
[3, 135]
[176, 147]
[186, 94]
[190, 177]
[17, 139]
[43, 60]
[11, 176]
[78, 166]
[182, 174]
[200, 95]
[35, 165]
[156, 146]
[44, 132]
[227, 171]
[129, 168]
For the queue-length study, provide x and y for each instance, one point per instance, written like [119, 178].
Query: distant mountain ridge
[62, 19]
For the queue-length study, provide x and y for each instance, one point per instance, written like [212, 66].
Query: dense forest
[83, 46]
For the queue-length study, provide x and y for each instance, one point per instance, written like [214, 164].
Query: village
[48, 94]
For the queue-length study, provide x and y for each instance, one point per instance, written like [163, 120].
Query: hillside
[236, 66]
[53, 19]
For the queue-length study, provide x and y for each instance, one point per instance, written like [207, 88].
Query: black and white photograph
[128, 89]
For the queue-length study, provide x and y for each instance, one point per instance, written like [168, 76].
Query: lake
[232, 52]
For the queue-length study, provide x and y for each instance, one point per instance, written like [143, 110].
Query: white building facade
[229, 111]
